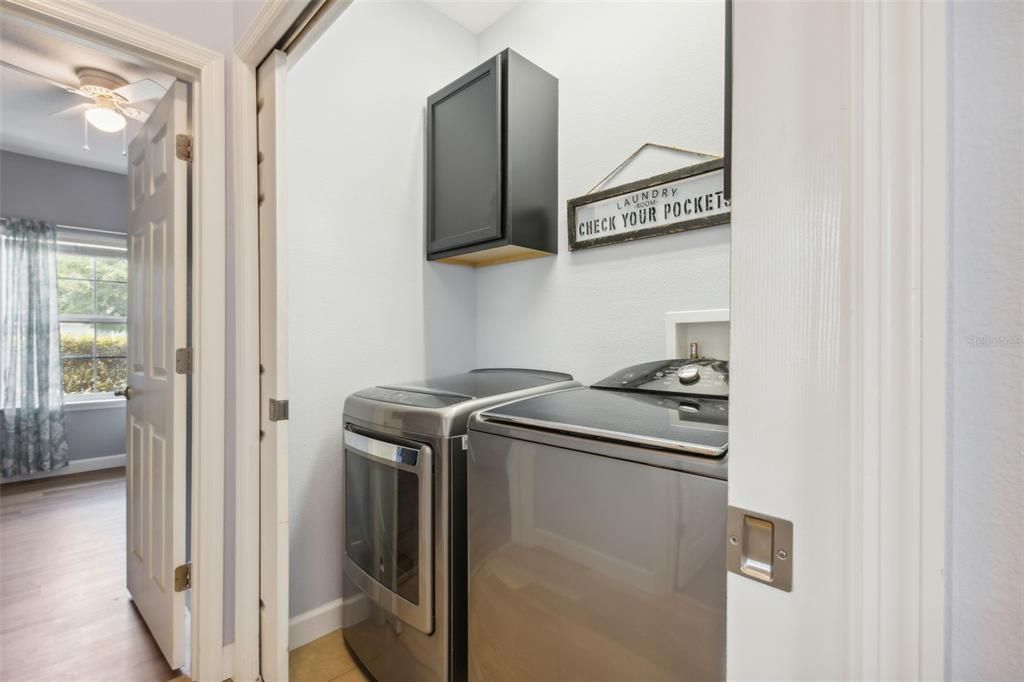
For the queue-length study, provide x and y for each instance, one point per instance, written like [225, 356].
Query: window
[92, 301]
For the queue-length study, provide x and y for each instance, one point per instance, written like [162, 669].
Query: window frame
[93, 245]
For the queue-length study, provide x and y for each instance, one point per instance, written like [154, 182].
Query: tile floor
[324, 660]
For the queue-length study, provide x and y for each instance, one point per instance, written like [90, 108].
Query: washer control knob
[690, 374]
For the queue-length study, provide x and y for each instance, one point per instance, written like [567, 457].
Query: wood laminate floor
[65, 612]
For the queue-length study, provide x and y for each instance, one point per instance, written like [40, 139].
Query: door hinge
[183, 577]
[278, 410]
[183, 147]
[183, 360]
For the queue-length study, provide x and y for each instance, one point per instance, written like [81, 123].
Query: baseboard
[75, 466]
[315, 623]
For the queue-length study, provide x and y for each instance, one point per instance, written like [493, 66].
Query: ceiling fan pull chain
[85, 132]
[124, 141]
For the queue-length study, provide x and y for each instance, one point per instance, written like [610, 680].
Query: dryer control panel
[405, 396]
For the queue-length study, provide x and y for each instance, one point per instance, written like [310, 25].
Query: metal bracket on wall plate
[760, 547]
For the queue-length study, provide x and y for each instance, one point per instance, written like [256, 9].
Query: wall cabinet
[492, 164]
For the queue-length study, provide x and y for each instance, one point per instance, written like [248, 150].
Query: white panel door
[157, 291]
[274, 377]
[837, 412]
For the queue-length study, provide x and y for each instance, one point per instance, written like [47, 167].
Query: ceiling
[26, 102]
[475, 15]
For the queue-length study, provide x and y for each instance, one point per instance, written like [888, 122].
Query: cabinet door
[464, 160]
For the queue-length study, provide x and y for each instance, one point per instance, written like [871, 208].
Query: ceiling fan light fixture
[105, 116]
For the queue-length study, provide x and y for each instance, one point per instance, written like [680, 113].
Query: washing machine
[597, 524]
[405, 517]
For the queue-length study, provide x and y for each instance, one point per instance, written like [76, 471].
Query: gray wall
[986, 499]
[72, 195]
[96, 432]
[62, 193]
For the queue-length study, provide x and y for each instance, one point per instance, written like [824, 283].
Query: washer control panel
[702, 377]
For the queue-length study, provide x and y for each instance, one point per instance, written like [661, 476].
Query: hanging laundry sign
[681, 200]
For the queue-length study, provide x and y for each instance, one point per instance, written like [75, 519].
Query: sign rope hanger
[647, 145]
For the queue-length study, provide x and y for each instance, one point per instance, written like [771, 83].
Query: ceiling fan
[110, 95]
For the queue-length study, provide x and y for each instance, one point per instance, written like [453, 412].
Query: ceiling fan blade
[133, 113]
[140, 90]
[77, 109]
[62, 86]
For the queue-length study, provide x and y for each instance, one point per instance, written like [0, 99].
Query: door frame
[898, 234]
[852, 447]
[203, 69]
[275, 21]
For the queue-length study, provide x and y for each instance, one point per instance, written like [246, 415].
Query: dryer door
[388, 522]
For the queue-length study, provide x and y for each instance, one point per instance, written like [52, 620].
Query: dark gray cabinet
[492, 164]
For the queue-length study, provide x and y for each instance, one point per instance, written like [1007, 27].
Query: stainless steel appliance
[405, 516]
[597, 529]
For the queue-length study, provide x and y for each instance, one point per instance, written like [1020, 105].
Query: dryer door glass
[383, 524]
[387, 524]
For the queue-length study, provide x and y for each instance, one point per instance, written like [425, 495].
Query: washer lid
[694, 425]
[457, 388]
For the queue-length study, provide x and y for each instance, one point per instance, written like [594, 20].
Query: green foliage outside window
[93, 304]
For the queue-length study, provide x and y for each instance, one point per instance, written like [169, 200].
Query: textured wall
[593, 312]
[363, 306]
[986, 600]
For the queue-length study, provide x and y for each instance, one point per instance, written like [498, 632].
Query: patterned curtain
[31, 396]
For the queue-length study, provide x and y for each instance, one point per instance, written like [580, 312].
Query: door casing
[274, 22]
[203, 69]
[838, 342]
[865, 513]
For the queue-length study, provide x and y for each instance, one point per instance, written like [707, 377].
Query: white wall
[628, 74]
[986, 598]
[364, 308]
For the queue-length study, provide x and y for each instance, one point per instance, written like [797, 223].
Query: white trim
[263, 33]
[98, 403]
[838, 416]
[75, 466]
[323, 620]
[934, 225]
[228, 658]
[204, 69]
[247, 380]
[895, 507]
